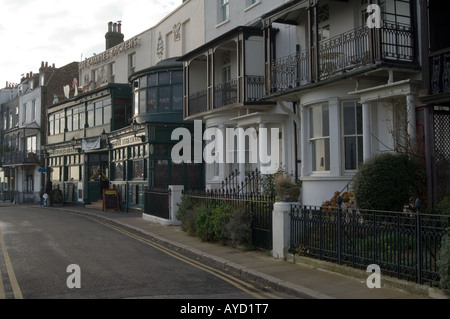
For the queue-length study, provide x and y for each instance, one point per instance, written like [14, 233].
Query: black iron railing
[258, 206]
[254, 88]
[404, 244]
[225, 93]
[198, 102]
[393, 42]
[23, 157]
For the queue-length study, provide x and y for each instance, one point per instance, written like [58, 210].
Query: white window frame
[355, 134]
[224, 10]
[314, 138]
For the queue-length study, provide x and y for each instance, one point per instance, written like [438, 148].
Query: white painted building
[354, 87]
[179, 32]
[224, 89]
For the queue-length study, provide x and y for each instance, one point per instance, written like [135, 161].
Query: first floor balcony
[249, 89]
[23, 158]
[351, 51]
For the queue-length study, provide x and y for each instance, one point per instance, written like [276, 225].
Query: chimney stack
[114, 35]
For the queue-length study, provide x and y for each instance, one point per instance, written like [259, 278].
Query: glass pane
[350, 153]
[153, 79]
[177, 77]
[143, 82]
[138, 169]
[90, 118]
[118, 171]
[164, 98]
[142, 102]
[164, 78]
[74, 173]
[349, 119]
[136, 103]
[360, 150]
[99, 116]
[75, 122]
[151, 100]
[359, 127]
[321, 155]
[316, 122]
[82, 119]
[325, 120]
[69, 123]
[177, 97]
[107, 114]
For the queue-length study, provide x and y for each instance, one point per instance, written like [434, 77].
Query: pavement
[298, 276]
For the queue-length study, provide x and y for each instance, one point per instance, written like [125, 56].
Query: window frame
[358, 134]
[313, 139]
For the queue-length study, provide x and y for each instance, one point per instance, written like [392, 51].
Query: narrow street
[46, 253]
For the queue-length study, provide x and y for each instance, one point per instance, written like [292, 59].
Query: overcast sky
[62, 31]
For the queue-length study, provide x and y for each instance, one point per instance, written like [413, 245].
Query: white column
[176, 192]
[367, 150]
[304, 171]
[262, 146]
[241, 155]
[221, 147]
[281, 224]
[411, 109]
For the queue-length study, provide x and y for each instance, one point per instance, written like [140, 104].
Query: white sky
[62, 31]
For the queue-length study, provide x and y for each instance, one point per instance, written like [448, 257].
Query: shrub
[386, 182]
[186, 214]
[210, 223]
[238, 230]
[443, 263]
[443, 207]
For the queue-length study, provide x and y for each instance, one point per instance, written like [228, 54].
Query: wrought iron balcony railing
[23, 157]
[393, 42]
[227, 94]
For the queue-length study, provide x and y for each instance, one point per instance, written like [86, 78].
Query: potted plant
[286, 189]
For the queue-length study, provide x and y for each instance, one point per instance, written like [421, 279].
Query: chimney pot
[119, 27]
[115, 27]
[110, 26]
[46, 64]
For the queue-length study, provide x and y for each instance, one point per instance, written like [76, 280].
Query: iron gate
[156, 202]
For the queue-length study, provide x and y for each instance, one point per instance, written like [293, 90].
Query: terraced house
[24, 130]
[352, 84]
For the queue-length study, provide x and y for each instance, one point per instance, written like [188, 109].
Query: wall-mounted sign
[109, 54]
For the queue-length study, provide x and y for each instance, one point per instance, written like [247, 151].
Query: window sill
[222, 23]
[252, 6]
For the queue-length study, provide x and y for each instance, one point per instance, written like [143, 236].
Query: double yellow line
[240, 284]
[12, 276]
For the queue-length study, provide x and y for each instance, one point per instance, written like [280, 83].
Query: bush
[210, 224]
[443, 207]
[238, 230]
[186, 214]
[386, 182]
[443, 263]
